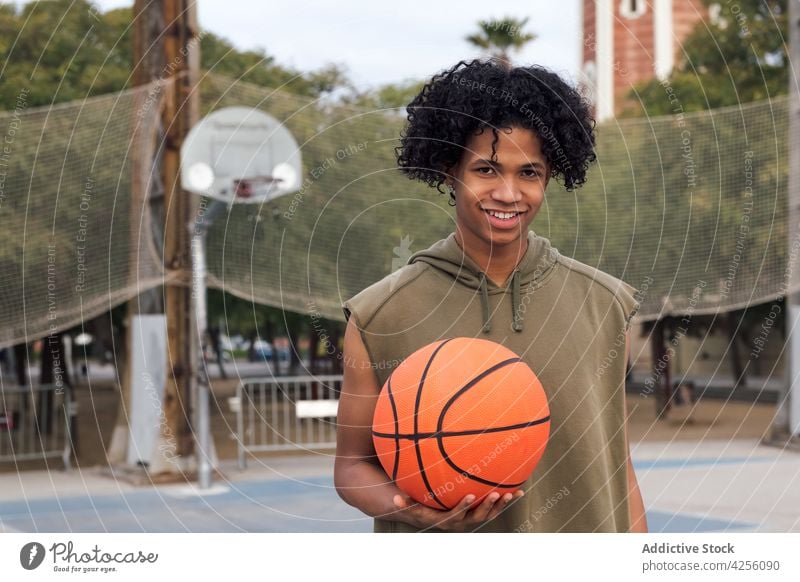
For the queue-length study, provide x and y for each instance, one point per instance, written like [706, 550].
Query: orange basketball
[460, 416]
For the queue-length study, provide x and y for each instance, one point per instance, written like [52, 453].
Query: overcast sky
[384, 42]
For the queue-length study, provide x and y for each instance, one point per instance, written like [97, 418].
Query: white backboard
[240, 154]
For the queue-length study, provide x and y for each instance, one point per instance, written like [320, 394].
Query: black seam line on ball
[396, 430]
[455, 433]
[449, 403]
[416, 424]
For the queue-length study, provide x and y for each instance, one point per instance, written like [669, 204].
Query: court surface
[712, 486]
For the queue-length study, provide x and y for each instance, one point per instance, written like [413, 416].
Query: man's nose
[507, 192]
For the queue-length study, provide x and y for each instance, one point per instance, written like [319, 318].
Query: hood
[446, 256]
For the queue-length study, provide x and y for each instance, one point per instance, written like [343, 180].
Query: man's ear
[450, 179]
[451, 175]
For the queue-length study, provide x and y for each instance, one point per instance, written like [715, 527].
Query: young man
[495, 137]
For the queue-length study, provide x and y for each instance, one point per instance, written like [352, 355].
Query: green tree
[219, 56]
[738, 55]
[391, 96]
[499, 37]
[65, 50]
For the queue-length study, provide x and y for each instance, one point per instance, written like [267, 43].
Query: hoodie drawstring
[485, 304]
[515, 303]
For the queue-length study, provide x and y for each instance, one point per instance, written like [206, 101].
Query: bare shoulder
[359, 375]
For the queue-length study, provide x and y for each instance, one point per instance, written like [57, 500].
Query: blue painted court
[736, 486]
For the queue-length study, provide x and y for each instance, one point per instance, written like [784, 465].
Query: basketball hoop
[240, 155]
[235, 154]
[260, 186]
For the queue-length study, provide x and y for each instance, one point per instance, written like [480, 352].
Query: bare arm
[358, 475]
[635, 501]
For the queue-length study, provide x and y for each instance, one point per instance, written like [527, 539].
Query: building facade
[625, 42]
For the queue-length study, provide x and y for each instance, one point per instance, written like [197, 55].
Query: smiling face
[497, 200]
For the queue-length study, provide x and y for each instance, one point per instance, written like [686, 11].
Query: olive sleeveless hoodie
[568, 322]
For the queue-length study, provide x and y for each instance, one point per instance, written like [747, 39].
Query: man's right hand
[460, 518]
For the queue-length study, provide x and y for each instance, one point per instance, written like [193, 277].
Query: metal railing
[35, 423]
[285, 413]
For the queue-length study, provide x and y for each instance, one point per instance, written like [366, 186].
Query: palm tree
[498, 37]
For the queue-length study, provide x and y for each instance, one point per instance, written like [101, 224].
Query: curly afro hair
[460, 102]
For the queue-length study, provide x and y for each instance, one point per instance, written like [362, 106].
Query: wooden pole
[166, 49]
[146, 193]
[180, 113]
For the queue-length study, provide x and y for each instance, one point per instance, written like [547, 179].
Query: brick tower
[625, 42]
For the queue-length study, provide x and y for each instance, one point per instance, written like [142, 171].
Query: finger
[460, 510]
[500, 505]
[482, 511]
[447, 520]
[518, 494]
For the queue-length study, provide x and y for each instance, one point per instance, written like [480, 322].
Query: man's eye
[531, 173]
[488, 170]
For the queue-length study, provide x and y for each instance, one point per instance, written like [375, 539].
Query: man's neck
[498, 262]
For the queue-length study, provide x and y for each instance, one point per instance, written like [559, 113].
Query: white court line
[184, 491]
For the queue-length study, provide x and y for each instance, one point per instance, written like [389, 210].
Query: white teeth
[503, 215]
